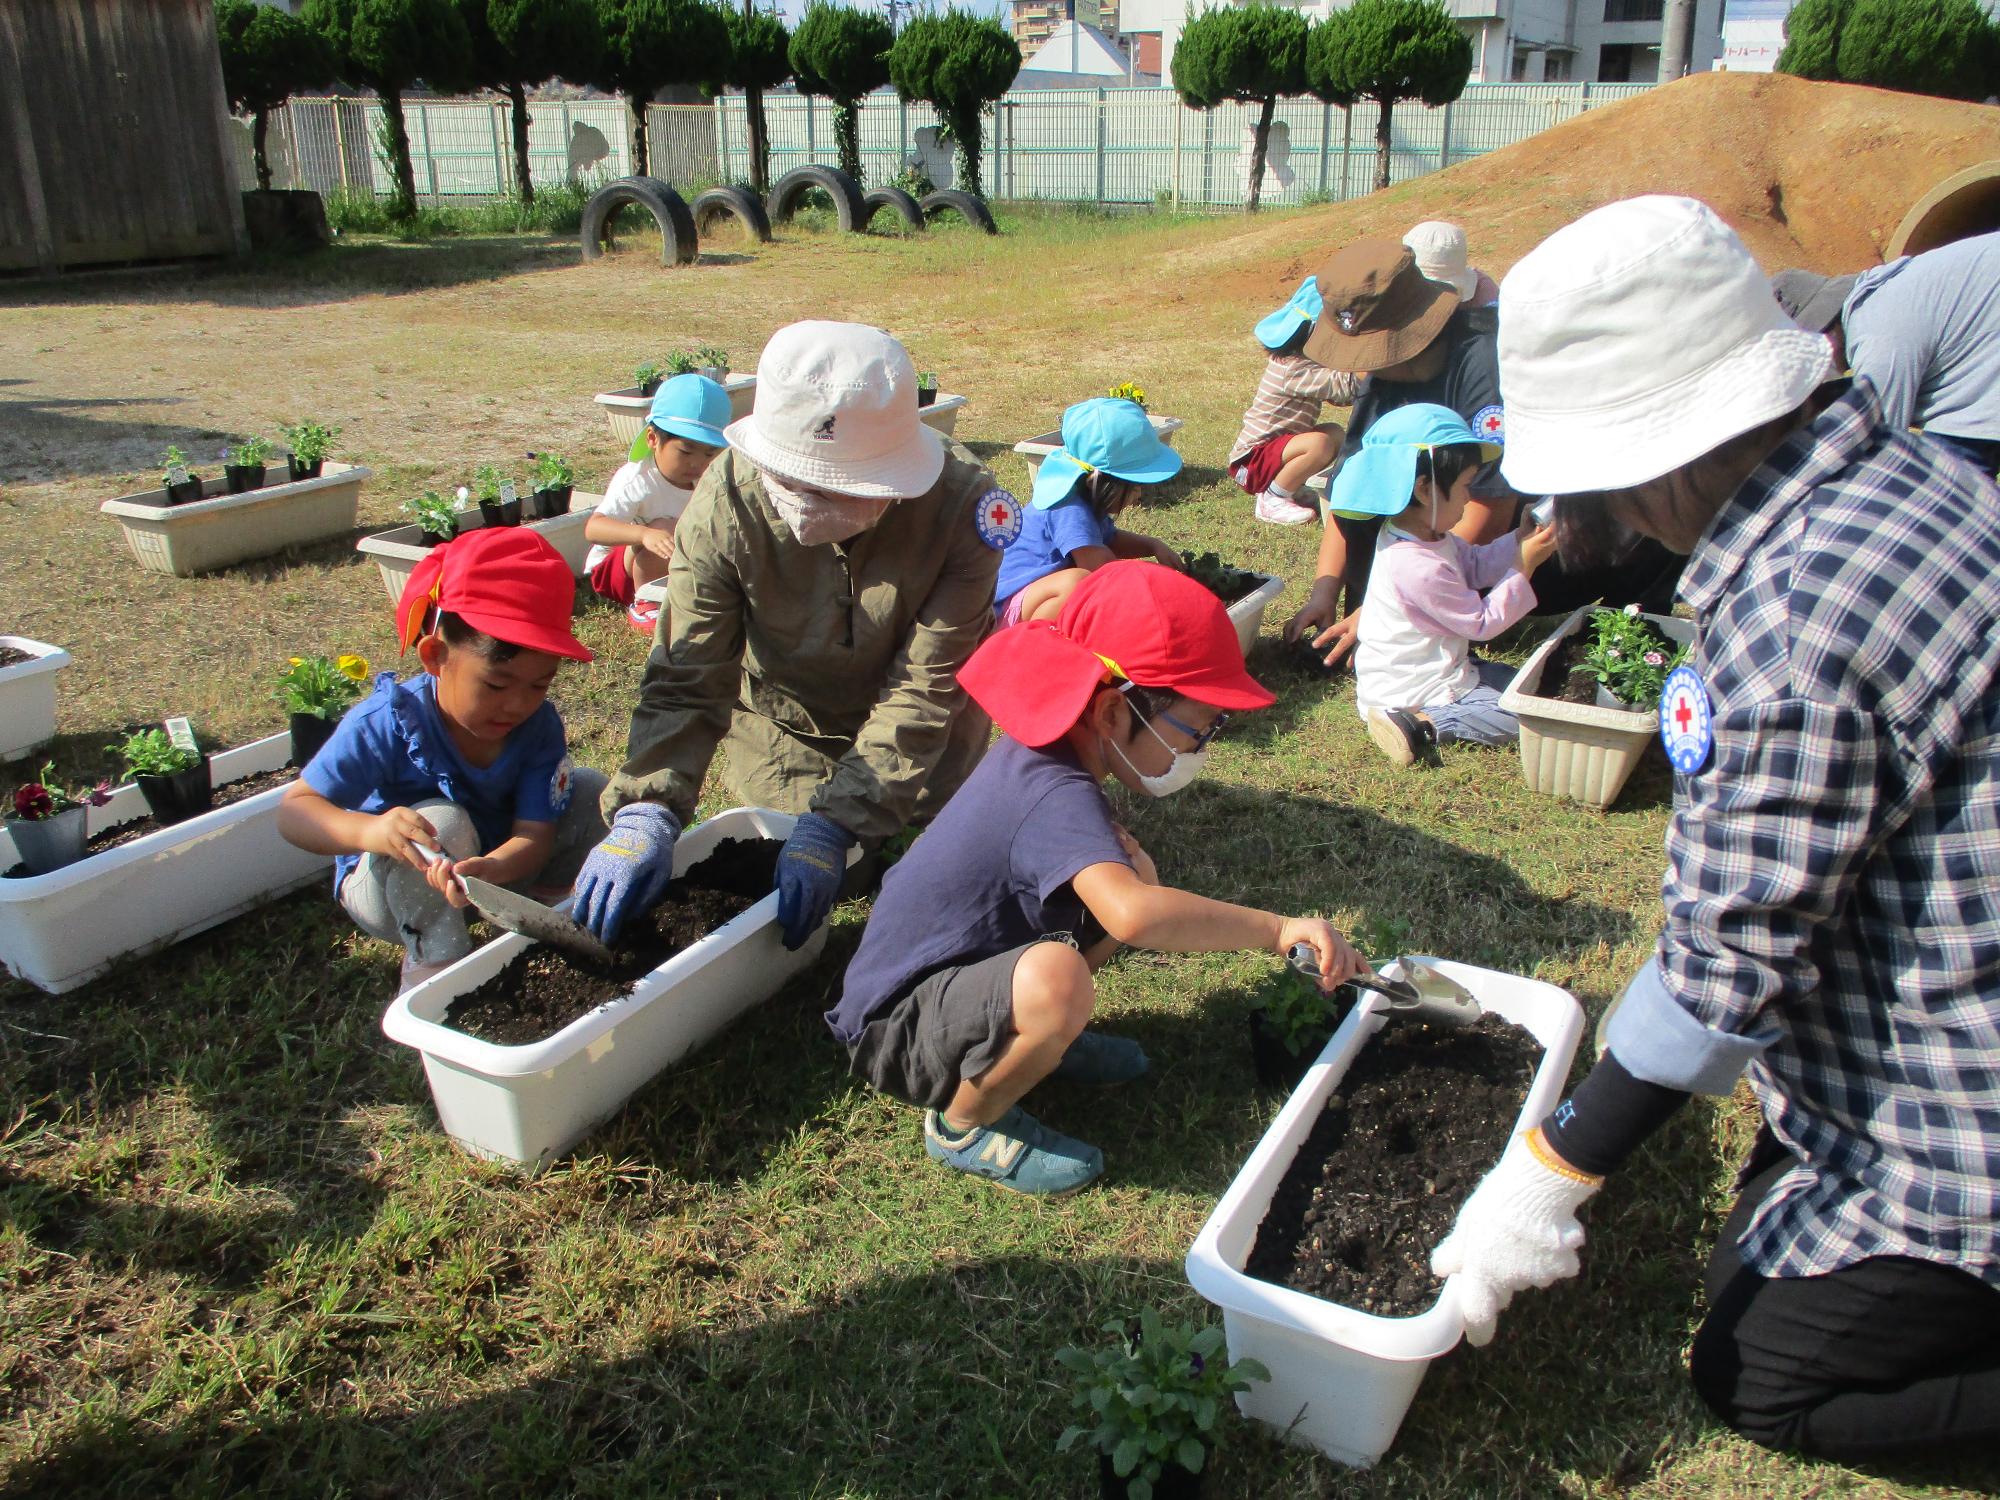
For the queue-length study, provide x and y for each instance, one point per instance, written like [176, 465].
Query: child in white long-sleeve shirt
[1431, 594]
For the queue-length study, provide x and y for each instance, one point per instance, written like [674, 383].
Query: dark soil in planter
[1422, 1115]
[13, 656]
[1564, 677]
[1227, 583]
[138, 828]
[544, 989]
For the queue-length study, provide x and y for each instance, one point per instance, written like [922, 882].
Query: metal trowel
[530, 919]
[1421, 994]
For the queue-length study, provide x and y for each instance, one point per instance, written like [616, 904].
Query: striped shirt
[1833, 870]
[1288, 399]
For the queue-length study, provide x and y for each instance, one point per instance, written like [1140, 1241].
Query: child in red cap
[973, 980]
[467, 759]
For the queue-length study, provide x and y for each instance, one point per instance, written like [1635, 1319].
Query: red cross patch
[997, 518]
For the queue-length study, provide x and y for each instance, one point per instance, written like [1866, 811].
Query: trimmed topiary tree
[649, 44]
[1812, 38]
[960, 63]
[841, 54]
[1389, 51]
[1947, 48]
[517, 43]
[267, 56]
[760, 57]
[1255, 54]
[389, 45]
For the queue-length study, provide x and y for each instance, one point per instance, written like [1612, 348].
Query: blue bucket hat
[1379, 478]
[1279, 328]
[1104, 433]
[688, 406]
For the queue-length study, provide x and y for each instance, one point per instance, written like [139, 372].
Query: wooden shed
[112, 134]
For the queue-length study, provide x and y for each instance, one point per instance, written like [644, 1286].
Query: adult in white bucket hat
[1832, 894]
[1443, 255]
[830, 575]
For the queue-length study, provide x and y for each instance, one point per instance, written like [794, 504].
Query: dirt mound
[1810, 174]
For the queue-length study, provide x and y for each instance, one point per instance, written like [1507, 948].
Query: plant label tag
[181, 732]
[507, 494]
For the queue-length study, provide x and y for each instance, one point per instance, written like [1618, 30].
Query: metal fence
[1098, 145]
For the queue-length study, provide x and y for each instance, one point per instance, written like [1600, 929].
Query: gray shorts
[951, 1027]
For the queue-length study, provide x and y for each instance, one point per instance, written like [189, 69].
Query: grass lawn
[236, 1254]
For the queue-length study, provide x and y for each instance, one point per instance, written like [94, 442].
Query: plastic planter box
[626, 410]
[28, 696]
[398, 550]
[221, 529]
[61, 929]
[1039, 447]
[1583, 751]
[1247, 613]
[529, 1104]
[942, 414]
[1341, 1379]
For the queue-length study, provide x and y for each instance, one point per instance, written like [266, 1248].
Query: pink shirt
[1424, 608]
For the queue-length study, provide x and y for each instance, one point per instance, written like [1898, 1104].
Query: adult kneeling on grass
[1833, 858]
[973, 980]
[832, 573]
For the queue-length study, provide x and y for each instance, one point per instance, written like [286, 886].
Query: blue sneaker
[1016, 1152]
[1095, 1057]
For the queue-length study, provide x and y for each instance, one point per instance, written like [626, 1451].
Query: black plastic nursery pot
[553, 501]
[186, 492]
[1174, 1483]
[242, 478]
[510, 512]
[295, 471]
[435, 538]
[176, 798]
[926, 396]
[309, 733]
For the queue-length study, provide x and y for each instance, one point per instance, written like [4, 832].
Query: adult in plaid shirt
[1833, 884]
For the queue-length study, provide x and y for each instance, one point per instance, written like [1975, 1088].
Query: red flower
[32, 802]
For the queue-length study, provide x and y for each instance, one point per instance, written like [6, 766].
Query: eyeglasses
[1201, 737]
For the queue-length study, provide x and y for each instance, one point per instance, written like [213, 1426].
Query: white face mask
[1185, 766]
[817, 517]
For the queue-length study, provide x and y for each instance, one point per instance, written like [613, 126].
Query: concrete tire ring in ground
[679, 244]
[973, 210]
[738, 203]
[906, 207]
[795, 184]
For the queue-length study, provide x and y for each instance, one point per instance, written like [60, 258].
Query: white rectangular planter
[530, 1103]
[1039, 447]
[220, 528]
[1583, 751]
[398, 550]
[1247, 613]
[1342, 1379]
[942, 414]
[626, 410]
[28, 696]
[68, 926]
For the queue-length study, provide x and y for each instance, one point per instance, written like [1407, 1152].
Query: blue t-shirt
[1047, 539]
[392, 750]
[991, 873]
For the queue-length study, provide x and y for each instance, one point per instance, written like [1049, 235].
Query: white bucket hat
[1636, 340]
[1442, 256]
[836, 408]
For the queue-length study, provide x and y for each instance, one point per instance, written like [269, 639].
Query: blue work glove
[624, 875]
[809, 870]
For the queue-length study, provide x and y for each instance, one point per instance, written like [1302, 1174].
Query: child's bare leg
[1305, 456]
[643, 566]
[1043, 599]
[1053, 998]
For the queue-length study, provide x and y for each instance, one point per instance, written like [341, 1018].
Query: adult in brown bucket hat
[1378, 309]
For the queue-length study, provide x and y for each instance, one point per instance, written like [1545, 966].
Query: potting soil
[544, 989]
[1227, 583]
[138, 828]
[1422, 1115]
[13, 656]
[1564, 678]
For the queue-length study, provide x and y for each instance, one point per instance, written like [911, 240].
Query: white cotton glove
[1518, 1229]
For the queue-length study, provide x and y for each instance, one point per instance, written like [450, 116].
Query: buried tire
[901, 203]
[679, 245]
[950, 200]
[737, 203]
[836, 184]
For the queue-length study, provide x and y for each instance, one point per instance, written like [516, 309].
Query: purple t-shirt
[991, 873]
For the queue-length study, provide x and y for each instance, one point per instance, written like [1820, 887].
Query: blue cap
[688, 406]
[1281, 327]
[1379, 477]
[1104, 433]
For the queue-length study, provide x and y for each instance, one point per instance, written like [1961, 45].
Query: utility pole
[1676, 38]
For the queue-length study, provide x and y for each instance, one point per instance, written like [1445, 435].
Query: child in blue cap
[1109, 452]
[632, 530]
[1283, 443]
[1430, 594]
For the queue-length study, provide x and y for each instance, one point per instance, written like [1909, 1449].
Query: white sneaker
[1282, 512]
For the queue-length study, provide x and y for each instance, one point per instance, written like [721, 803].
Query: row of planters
[190, 840]
[245, 465]
[625, 409]
[552, 507]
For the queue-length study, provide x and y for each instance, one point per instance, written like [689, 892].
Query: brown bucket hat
[1378, 308]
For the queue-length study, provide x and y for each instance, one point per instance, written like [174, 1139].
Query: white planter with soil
[64, 928]
[1247, 613]
[626, 410]
[199, 536]
[28, 696]
[1040, 446]
[397, 551]
[529, 1104]
[1585, 752]
[1342, 1379]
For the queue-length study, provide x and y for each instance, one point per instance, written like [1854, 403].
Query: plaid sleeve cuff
[1659, 1040]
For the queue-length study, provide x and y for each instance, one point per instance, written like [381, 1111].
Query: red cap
[504, 580]
[1133, 620]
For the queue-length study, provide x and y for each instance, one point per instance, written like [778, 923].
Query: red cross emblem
[1683, 715]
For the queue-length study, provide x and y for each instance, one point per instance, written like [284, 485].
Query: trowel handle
[1302, 958]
